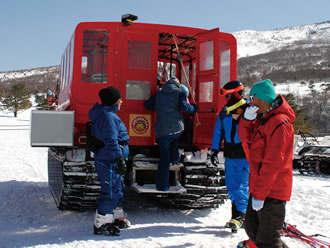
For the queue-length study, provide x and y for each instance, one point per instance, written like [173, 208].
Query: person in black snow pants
[267, 127]
[236, 164]
[168, 102]
[110, 164]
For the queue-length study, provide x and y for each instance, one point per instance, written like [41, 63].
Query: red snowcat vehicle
[136, 58]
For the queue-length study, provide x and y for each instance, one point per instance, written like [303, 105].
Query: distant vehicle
[136, 58]
[313, 156]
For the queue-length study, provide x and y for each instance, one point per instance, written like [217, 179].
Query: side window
[62, 71]
[206, 92]
[183, 78]
[137, 90]
[71, 59]
[206, 56]
[94, 61]
[224, 63]
[194, 79]
[139, 54]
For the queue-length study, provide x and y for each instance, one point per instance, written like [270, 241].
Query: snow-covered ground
[299, 89]
[29, 217]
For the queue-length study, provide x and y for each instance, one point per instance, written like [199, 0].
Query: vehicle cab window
[94, 62]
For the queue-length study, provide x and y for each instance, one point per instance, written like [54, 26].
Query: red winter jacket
[271, 149]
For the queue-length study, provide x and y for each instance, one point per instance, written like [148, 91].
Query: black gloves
[121, 169]
[214, 157]
[195, 106]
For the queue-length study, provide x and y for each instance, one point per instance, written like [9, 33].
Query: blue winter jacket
[226, 128]
[108, 127]
[168, 102]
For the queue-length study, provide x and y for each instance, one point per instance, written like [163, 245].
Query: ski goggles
[235, 106]
[224, 92]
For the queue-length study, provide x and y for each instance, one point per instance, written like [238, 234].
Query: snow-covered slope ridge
[250, 42]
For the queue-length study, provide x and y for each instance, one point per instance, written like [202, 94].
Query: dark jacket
[270, 142]
[226, 128]
[168, 102]
[108, 127]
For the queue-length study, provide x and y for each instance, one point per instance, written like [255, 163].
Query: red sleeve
[245, 130]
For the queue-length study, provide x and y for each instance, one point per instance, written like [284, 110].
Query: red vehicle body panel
[128, 56]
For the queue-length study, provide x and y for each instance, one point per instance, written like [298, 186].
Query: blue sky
[35, 32]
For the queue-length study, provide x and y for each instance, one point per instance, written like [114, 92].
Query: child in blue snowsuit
[110, 161]
[169, 101]
[236, 164]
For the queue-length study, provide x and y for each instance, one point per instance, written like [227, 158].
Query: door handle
[210, 110]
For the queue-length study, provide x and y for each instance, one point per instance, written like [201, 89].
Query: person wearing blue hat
[169, 101]
[267, 127]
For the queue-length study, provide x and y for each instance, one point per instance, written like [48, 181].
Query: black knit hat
[109, 96]
[232, 85]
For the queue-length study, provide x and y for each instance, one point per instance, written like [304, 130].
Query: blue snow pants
[237, 181]
[169, 153]
[112, 187]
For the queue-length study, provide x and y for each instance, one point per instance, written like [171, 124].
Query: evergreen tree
[317, 108]
[16, 97]
[41, 102]
[301, 122]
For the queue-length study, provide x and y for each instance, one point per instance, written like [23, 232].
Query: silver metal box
[51, 128]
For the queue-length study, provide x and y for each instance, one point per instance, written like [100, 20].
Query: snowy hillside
[4, 76]
[300, 90]
[291, 57]
[250, 42]
[29, 217]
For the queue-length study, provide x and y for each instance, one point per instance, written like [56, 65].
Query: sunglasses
[224, 92]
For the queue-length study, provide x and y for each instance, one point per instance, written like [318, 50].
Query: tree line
[17, 97]
[312, 111]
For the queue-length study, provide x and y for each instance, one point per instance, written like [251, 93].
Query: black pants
[264, 226]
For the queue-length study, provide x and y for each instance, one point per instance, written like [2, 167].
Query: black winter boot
[120, 220]
[237, 220]
[122, 223]
[104, 224]
[108, 229]
[234, 215]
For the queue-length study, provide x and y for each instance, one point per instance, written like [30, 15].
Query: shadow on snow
[29, 217]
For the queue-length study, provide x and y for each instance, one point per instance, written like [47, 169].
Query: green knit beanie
[264, 90]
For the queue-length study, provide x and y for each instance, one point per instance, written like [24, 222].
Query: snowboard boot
[119, 218]
[122, 223]
[108, 229]
[246, 244]
[236, 224]
[237, 219]
[104, 225]
[234, 215]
